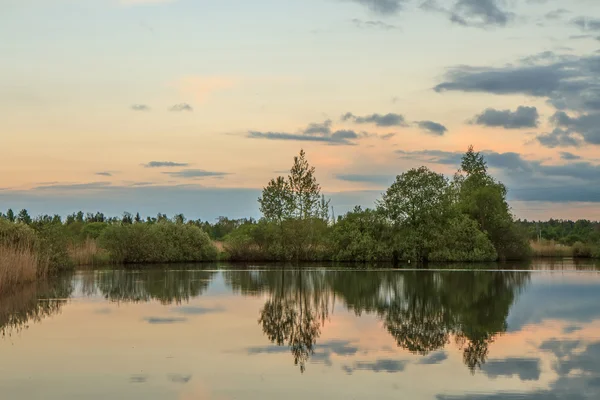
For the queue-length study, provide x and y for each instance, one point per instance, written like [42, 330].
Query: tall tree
[417, 204]
[10, 215]
[24, 217]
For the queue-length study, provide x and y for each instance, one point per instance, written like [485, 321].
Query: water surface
[208, 332]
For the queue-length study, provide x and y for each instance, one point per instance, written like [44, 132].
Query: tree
[417, 205]
[127, 219]
[305, 191]
[297, 197]
[10, 215]
[483, 199]
[276, 202]
[137, 219]
[24, 217]
[179, 219]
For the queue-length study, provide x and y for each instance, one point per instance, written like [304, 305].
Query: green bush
[163, 242]
[361, 236]
[582, 250]
[464, 242]
[53, 245]
[93, 230]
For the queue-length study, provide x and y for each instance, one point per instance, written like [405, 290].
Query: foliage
[361, 236]
[483, 199]
[154, 243]
[417, 205]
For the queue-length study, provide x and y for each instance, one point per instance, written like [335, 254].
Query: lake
[232, 332]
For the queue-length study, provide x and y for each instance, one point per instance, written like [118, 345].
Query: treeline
[423, 216]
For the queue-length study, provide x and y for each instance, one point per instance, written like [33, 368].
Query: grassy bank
[553, 249]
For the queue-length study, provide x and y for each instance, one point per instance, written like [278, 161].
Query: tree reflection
[423, 310]
[32, 303]
[298, 305]
[164, 286]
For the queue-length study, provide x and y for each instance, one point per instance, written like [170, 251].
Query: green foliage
[54, 242]
[48, 241]
[483, 199]
[93, 230]
[361, 236]
[463, 241]
[155, 243]
[418, 205]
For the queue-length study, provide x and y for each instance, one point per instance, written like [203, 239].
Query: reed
[88, 253]
[19, 263]
[550, 248]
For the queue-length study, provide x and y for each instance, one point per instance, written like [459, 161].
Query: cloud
[386, 120]
[527, 369]
[191, 310]
[140, 107]
[558, 138]
[75, 186]
[104, 173]
[587, 23]
[380, 365]
[181, 107]
[433, 128]
[384, 7]
[473, 13]
[586, 125]
[374, 24]
[314, 132]
[569, 83]
[523, 117]
[434, 358]
[164, 320]
[179, 378]
[480, 13]
[565, 155]
[161, 164]
[557, 14]
[321, 352]
[138, 378]
[195, 173]
[378, 179]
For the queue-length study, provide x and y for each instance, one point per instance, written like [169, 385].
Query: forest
[422, 217]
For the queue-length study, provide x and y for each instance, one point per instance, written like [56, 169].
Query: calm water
[263, 333]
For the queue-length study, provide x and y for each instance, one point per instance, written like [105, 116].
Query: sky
[194, 105]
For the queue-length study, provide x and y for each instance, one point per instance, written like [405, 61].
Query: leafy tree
[276, 202]
[179, 219]
[10, 215]
[24, 217]
[484, 199]
[417, 205]
[127, 219]
[137, 219]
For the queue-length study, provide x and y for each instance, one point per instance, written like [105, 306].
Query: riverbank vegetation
[423, 216]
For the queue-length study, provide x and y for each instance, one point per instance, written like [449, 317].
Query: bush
[582, 250]
[361, 236]
[464, 242]
[163, 242]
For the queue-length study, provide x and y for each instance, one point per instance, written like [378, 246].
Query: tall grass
[20, 257]
[552, 249]
[87, 253]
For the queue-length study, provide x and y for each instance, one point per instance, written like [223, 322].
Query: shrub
[464, 242]
[155, 243]
[582, 250]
